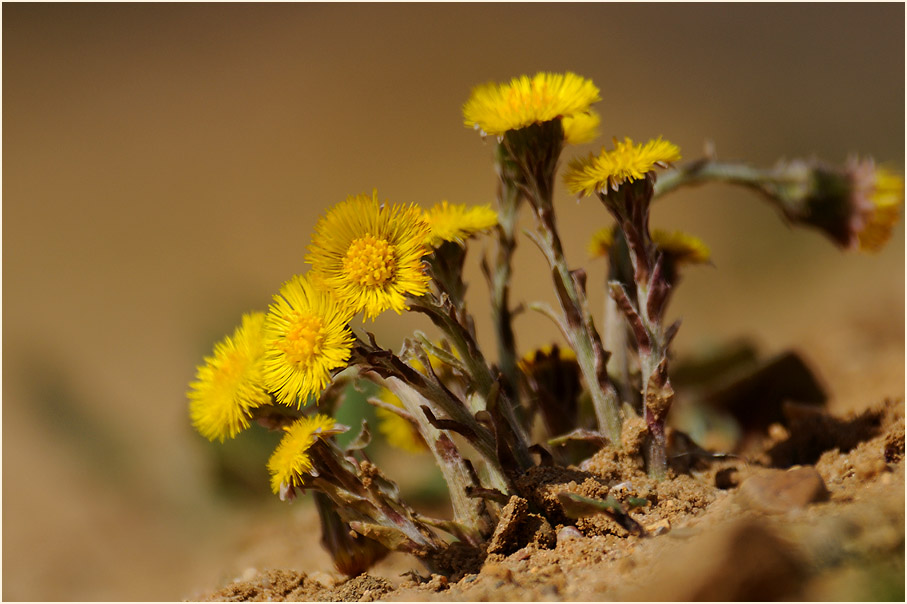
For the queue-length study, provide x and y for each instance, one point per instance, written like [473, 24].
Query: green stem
[708, 170]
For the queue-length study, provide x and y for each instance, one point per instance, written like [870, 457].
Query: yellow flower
[456, 223]
[307, 338]
[398, 431]
[682, 248]
[290, 462]
[627, 162]
[229, 385]
[600, 244]
[581, 127]
[370, 254]
[496, 108]
[881, 198]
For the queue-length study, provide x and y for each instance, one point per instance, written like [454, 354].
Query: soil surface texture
[812, 509]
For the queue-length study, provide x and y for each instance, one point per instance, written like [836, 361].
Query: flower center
[303, 339]
[369, 261]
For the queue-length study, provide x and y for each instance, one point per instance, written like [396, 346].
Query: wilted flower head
[627, 162]
[457, 222]
[369, 254]
[229, 385]
[496, 108]
[291, 463]
[308, 337]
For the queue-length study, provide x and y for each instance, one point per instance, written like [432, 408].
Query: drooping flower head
[627, 162]
[877, 196]
[856, 205]
[369, 254]
[307, 337]
[290, 463]
[229, 385]
[457, 222]
[496, 108]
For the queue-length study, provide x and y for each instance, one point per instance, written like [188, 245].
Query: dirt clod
[518, 528]
[364, 588]
[741, 561]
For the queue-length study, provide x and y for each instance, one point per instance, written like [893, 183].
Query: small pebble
[624, 486]
[658, 528]
[437, 583]
[778, 432]
[568, 532]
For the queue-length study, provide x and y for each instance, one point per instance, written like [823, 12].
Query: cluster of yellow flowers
[368, 256]
[365, 256]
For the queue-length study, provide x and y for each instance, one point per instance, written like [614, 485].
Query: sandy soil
[812, 509]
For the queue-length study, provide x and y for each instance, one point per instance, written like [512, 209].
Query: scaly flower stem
[384, 363]
[615, 342]
[614, 330]
[630, 207]
[581, 332]
[368, 502]
[657, 391]
[470, 513]
[484, 383]
[530, 156]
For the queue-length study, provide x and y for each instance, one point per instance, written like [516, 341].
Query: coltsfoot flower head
[291, 463]
[600, 243]
[457, 222]
[680, 247]
[856, 205]
[229, 385]
[369, 254]
[627, 162]
[552, 375]
[581, 127]
[496, 108]
[308, 337]
[399, 431]
[877, 196]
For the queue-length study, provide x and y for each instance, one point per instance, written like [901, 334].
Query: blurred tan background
[164, 164]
